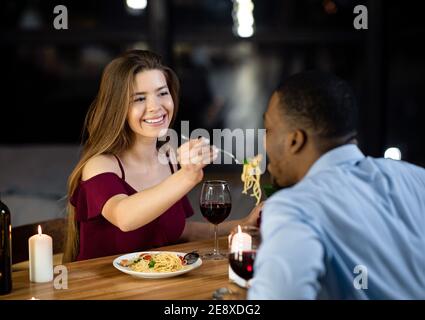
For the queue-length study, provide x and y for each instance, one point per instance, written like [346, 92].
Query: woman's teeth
[156, 120]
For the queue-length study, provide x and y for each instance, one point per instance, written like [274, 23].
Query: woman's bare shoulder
[100, 164]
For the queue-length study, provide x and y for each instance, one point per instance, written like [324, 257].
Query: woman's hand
[253, 216]
[194, 155]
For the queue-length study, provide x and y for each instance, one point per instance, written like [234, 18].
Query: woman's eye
[139, 99]
[163, 93]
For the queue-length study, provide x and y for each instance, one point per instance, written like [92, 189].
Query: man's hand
[253, 216]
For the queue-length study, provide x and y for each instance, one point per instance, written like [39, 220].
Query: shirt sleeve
[290, 261]
[91, 195]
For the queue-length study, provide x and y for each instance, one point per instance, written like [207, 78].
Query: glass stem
[215, 240]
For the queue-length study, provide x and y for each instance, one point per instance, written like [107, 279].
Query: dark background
[51, 76]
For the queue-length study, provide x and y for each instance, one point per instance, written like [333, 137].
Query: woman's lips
[155, 122]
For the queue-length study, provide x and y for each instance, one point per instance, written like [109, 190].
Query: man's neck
[315, 150]
[304, 165]
[324, 145]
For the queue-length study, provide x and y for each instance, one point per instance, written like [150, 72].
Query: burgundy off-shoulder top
[99, 237]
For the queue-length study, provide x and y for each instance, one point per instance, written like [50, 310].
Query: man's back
[353, 228]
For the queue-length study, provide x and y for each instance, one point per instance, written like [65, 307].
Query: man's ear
[297, 140]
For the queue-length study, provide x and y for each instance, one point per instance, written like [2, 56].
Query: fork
[224, 151]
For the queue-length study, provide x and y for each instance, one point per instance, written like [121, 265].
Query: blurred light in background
[393, 153]
[136, 7]
[243, 18]
[137, 4]
[330, 7]
[31, 18]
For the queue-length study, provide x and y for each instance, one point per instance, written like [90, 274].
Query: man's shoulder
[292, 199]
[399, 166]
[307, 188]
[404, 174]
[312, 194]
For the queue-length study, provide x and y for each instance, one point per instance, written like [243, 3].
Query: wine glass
[243, 244]
[215, 203]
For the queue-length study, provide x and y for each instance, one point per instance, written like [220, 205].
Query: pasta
[159, 262]
[251, 177]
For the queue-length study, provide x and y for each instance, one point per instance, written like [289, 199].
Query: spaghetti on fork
[251, 177]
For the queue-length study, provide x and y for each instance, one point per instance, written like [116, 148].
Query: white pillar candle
[241, 241]
[40, 257]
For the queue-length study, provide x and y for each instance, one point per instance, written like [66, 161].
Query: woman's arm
[132, 212]
[201, 230]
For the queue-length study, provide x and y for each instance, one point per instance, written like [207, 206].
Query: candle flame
[39, 230]
[239, 229]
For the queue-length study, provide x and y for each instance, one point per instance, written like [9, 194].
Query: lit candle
[241, 241]
[41, 257]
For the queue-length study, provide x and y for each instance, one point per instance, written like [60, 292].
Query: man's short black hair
[321, 102]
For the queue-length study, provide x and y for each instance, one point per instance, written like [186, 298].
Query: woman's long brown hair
[105, 126]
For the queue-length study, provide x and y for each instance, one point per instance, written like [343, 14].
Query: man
[346, 226]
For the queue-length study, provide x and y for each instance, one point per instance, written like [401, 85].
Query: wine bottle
[5, 250]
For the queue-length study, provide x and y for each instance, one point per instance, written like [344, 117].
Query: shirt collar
[343, 154]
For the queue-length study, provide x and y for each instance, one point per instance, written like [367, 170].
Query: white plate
[153, 275]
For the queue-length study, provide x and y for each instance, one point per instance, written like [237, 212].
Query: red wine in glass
[215, 203]
[215, 212]
[244, 242]
[242, 263]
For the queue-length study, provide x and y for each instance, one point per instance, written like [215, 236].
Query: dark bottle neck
[4, 207]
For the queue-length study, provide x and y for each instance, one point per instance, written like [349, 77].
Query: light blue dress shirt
[352, 228]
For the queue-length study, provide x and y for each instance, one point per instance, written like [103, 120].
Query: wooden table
[98, 279]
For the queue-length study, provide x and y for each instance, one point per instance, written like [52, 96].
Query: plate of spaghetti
[155, 264]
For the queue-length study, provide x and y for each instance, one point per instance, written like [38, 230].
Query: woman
[122, 197]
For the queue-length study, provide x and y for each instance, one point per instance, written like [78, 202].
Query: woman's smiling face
[151, 105]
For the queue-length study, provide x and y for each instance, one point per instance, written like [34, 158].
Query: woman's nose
[153, 104]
